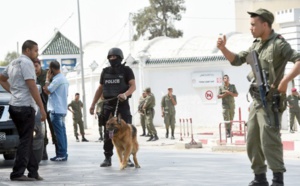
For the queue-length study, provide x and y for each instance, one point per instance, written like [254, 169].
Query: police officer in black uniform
[116, 82]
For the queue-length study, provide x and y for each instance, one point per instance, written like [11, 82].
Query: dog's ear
[110, 116]
[119, 118]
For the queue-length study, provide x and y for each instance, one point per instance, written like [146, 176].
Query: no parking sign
[209, 95]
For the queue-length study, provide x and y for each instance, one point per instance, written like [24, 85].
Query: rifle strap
[279, 76]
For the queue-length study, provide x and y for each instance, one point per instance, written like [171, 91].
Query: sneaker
[292, 131]
[100, 139]
[84, 140]
[22, 178]
[77, 140]
[59, 158]
[172, 138]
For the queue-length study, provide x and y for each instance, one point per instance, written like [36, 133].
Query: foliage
[4, 63]
[11, 56]
[158, 19]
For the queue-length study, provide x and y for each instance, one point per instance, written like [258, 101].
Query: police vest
[114, 82]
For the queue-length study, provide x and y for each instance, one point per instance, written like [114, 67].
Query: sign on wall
[207, 79]
[209, 94]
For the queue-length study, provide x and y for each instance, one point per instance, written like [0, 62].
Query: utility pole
[82, 69]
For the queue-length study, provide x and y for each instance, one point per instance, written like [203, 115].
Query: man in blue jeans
[57, 106]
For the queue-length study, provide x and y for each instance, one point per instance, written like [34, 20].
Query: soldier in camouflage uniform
[142, 113]
[76, 106]
[149, 114]
[263, 140]
[293, 104]
[168, 112]
[227, 92]
[101, 123]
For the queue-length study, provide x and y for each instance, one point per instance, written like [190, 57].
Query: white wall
[190, 105]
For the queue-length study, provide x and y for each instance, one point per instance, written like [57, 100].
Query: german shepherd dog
[124, 138]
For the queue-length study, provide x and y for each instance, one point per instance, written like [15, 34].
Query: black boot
[101, 137]
[277, 179]
[172, 137]
[144, 133]
[155, 137]
[151, 138]
[106, 162]
[129, 163]
[228, 133]
[259, 180]
[167, 134]
[84, 139]
[45, 155]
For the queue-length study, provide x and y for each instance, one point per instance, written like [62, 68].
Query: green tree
[4, 63]
[11, 56]
[158, 19]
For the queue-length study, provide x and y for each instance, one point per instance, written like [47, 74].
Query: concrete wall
[243, 18]
[190, 99]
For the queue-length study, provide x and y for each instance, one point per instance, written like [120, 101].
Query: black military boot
[84, 139]
[151, 138]
[101, 137]
[172, 137]
[277, 179]
[155, 137]
[106, 162]
[45, 155]
[144, 133]
[167, 134]
[129, 163]
[259, 180]
[228, 133]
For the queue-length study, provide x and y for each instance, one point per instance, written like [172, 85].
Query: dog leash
[106, 100]
[115, 115]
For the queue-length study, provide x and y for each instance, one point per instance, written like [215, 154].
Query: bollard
[187, 127]
[180, 131]
[183, 125]
[193, 142]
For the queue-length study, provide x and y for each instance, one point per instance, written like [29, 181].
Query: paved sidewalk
[208, 137]
[162, 163]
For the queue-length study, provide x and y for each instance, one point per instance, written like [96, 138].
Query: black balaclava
[115, 62]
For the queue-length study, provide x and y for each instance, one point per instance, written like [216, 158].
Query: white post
[82, 70]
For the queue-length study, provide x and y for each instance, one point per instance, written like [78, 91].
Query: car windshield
[1, 88]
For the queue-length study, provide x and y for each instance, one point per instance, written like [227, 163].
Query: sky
[101, 20]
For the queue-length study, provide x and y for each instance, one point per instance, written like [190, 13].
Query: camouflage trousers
[263, 139]
[228, 115]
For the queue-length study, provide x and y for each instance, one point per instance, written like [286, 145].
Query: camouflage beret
[266, 14]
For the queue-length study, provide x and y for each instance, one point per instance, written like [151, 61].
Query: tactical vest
[114, 82]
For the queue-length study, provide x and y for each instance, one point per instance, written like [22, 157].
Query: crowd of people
[117, 84]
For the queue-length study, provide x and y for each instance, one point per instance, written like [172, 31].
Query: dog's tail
[134, 131]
